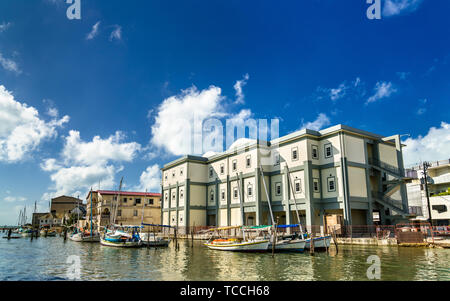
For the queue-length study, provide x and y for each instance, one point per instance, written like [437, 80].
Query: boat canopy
[288, 226]
[224, 228]
[155, 225]
[256, 228]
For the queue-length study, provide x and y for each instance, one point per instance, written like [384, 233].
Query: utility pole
[425, 180]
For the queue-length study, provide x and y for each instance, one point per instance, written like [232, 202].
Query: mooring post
[311, 244]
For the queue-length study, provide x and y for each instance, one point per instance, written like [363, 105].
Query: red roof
[113, 192]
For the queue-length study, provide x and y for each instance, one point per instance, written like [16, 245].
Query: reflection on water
[45, 259]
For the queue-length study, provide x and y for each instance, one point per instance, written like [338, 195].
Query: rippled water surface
[46, 259]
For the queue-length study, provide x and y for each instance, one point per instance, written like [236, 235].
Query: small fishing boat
[85, 237]
[321, 242]
[51, 233]
[152, 239]
[120, 238]
[244, 244]
[289, 243]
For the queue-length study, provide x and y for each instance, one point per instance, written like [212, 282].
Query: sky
[85, 102]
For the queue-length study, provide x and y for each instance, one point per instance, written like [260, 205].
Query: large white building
[336, 171]
[438, 190]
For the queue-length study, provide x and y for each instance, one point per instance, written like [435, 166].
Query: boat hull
[83, 238]
[259, 246]
[153, 241]
[289, 246]
[319, 242]
[125, 244]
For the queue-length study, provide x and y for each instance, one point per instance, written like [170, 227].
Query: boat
[85, 236]
[120, 238]
[289, 243]
[244, 244]
[153, 239]
[321, 242]
[51, 233]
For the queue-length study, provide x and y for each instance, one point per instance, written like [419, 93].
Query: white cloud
[355, 88]
[432, 147]
[4, 26]
[150, 179]
[94, 31]
[21, 129]
[116, 34]
[321, 121]
[178, 121]
[14, 199]
[397, 7]
[84, 164]
[238, 88]
[382, 90]
[9, 65]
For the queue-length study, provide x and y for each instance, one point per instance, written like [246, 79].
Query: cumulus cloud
[84, 164]
[382, 90]
[347, 89]
[94, 31]
[9, 65]
[14, 199]
[397, 7]
[21, 129]
[433, 146]
[116, 34]
[150, 179]
[321, 121]
[238, 88]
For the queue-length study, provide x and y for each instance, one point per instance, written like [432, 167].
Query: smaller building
[123, 207]
[438, 181]
[50, 220]
[64, 204]
[36, 219]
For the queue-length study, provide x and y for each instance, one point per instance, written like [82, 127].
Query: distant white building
[438, 183]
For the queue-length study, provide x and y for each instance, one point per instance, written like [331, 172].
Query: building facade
[438, 191]
[339, 171]
[64, 204]
[132, 207]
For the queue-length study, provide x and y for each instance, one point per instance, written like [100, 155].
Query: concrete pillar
[347, 208]
[229, 192]
[258, 201]
[309, 208]
[187, 203]
[217, 202]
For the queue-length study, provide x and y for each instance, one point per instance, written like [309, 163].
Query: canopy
[288, 226]
[155, 225]
[224, 228]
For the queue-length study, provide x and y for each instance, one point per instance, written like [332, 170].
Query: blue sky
[88, 101]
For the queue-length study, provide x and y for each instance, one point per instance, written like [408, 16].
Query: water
[45, 259]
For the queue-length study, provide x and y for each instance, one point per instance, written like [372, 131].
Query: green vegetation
[443, 193]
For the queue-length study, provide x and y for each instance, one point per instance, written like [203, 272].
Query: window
[137, 201]
[294, 153]
[181, 193]
[316, 185]
[173, 196]
[277, 159]
[166, 197]
[135, 213]
[315, 152]
[124, 200]
[250, 190]
[222, 193]
[181, 171]
[248, 161]
[234, 165]
[222, 169]
[331, 184]
[297, 186]
[165, 176]
[119, 212]
[211, 197]
[210, 172]
[235, 193]
[328, 150]
[151, 201]
[278, 188]
[173, 173]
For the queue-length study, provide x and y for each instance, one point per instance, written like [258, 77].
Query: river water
[46, 259]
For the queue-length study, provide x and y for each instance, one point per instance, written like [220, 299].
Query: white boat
[289, 245]
[255, 245]
[120, 243]
[121, 238]
[319, 242]
[153, 240]
[83, 237]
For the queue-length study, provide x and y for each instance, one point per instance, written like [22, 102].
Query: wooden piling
[9, 233]
[148, 238]
[311, 244]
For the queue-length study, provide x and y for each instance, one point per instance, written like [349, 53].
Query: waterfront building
[64, 204]
[340, 171]
[35, 220]
[130, 206]
[49, 220]
[438, 191]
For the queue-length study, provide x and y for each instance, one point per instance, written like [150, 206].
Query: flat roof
[127, 193]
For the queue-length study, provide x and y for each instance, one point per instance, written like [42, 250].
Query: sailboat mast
[91, 213]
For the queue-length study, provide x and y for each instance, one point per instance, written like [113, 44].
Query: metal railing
[395, 203]
[386, 166]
